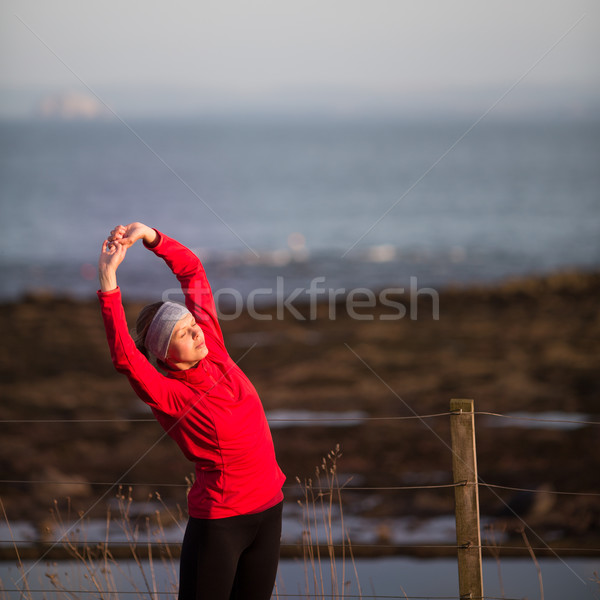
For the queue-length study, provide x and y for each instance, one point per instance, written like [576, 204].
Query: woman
[209, 407]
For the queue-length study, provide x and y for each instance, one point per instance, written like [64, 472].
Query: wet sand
[525, 345]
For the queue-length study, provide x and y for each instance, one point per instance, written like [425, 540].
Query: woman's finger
[110, 247]
[117, 232]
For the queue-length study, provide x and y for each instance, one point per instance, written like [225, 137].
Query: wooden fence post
[464, 468]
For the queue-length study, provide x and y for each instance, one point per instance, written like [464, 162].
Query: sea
[273, 203]
[381, 578]
[277, 204]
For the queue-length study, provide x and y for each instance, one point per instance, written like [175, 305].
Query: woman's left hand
[127, 235]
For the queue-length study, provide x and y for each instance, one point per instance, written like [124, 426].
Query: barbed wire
[403, 597]
[326, 419]
[21, 543]
[341, 488]
[537, 419]
[47, 421]
[537, 491]
[274, 596]
[130, 484]
[286, 487]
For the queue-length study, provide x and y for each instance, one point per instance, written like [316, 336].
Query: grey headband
[161, 329]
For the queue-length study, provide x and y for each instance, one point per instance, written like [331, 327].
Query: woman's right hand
[111, 256]
[127, 235]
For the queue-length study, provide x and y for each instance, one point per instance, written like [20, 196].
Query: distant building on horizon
[71, 106]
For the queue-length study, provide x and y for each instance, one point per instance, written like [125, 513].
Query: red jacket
[212, 411]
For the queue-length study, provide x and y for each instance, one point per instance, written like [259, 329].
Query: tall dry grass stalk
[494, 550]
[535, 561]
[322, 512]
[26, 593]
[96, 570]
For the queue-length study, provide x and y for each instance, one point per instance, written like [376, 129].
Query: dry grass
[99, 572]
[322, 498]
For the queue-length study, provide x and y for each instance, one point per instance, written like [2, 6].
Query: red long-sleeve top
[212, 410]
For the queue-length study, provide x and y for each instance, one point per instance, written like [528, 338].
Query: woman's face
[187, 346]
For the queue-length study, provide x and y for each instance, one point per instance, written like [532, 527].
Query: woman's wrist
[151, 237]
[108, 280]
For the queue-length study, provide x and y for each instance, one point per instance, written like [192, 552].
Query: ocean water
[395, 577]
[359, 202]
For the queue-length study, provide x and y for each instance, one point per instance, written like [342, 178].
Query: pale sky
[278, 51]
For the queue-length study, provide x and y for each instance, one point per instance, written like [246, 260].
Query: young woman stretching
[209, 407]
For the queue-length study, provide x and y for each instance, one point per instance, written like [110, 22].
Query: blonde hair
[142, 325]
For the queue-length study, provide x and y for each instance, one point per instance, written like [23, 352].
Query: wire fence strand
[326, 419]
[342, 488]
[387, 547]
[314, 596]
[537, 419]
[382, 548]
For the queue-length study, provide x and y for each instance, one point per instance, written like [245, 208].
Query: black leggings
[234, 558]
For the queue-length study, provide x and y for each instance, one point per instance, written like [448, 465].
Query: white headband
[161, 329]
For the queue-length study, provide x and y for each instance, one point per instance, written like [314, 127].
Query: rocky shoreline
[526, 345]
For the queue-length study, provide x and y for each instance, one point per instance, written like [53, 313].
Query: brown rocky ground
[527, 345]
